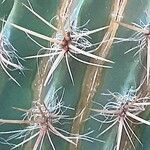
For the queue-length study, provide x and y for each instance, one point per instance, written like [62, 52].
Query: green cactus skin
[90, 82]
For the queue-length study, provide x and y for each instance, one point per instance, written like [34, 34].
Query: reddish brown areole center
[123, 110]
[65, 42]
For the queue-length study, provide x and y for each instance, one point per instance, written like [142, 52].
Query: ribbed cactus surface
[74, 74]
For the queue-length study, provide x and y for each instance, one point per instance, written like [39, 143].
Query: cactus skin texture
[77, 74]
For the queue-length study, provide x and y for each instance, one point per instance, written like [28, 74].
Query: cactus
[74, 74]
